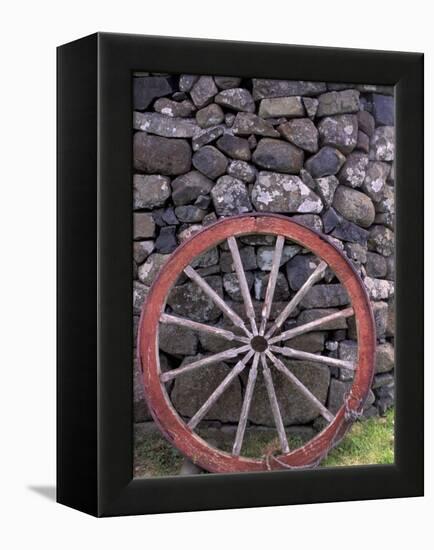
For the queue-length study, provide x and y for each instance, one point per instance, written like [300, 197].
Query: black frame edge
[77, 468]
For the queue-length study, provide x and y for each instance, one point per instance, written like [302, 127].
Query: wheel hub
[259, 343]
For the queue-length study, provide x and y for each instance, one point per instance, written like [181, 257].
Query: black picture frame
[94, 374]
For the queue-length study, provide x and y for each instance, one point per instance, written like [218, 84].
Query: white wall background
[30, 31]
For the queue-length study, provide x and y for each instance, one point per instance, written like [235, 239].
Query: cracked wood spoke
[219, 302]
[274, 405]
[246, 406]
[307, 327]
[238, 264]
[292, 304]
[306, 356]
[194, 421]
[217, 331]
[227, 354]
[300, 386]
[268, 301]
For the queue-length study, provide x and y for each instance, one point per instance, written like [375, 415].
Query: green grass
[368, 442]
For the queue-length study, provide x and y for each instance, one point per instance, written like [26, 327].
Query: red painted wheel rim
[163, 412]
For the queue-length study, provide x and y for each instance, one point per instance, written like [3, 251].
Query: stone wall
[322, 154]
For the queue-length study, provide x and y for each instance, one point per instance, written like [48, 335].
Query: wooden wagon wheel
[258, 348]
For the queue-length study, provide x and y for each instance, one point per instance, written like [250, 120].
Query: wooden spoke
[307, 327]
[238, 264]
[301, 387]
[227, 354]
[301, 293]
[246, 406]
[217, 331]
[219, 302]
[268, 301]
[274, 405]
[305, 356]
[194, 421]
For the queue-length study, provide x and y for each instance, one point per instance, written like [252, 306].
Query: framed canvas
[240, 274]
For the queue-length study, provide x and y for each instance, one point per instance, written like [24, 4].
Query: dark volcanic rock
[150, 191]
[235, 147]
[299, 269]
[203, 91]
[336, 103]
[339, 131]
[383, 143]
[147, 88]
[210, 116]
[276, 155]
[327, 162]
[144, 225]
[242, 171]
[301, 132]
[354, 206]
[210, 161]
[354, 170]
[230, 196]
[190, 213]
[323, 296]
[206, 136]
[237, 99]
[288, 107]
[159, 155]
[176, 340]
[188, 187]
[190, 301]
[383, 109]
[264, 88]
[366, 122]
[165, 126]
[226, 82]
[186, 82]
[166, 241]
[174, 108]
[249, 123]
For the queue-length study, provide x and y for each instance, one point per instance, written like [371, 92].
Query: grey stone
[226, 82]
[311, 106]
[210, 116]
[165, 126]
[327, 162]
[342, 229]
[248, 259]
[174, 108]
[301, 132]
[356, 252]
[366, 122]
[336, 103]
[229, 119]
[189, 213]
[339, 131]
[203, 91]
[380, 311]
[347, 351]
[148, 88]
[323, 296]
[166, 241]
[210, 161]
[390, 263]
[337, 392]
[274, 192]
[381, 240]
[230, 196]
[169, 217]
[186, 82]
[383, 143]
[353, 172]
[180, 96]
[150, 191]
[288, 107]
[207, 259]
[249, 123]
[265, 256]
[384, 358]
[276, 155]
[188, 232]
[383, 109]
[141, 250]
[313, 221]
[190, 301]
[235, 147]
[325, 187]
[144, 225]
[216, 344]
[177, 340]
[149, 270]
[309, 315]
[379, 289]
[381, 380]
[140, 292]
[193, 388]
[188, 187]
[299, 269]
[281, 291]
[374, 184]
[231, 285]
[206, 136]
[242, 170]
[203, 201]
[265, 88]
[258, 240]
[237, 99]
[376, 265]
[312, 342]
[307, 179]
[387, 201]
[362, 142]
[154, 154]
[354, 206]
[294, 407]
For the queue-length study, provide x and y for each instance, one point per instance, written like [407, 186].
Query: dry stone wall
[321, 153]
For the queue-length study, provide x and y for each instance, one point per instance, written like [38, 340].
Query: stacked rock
[321, 153]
